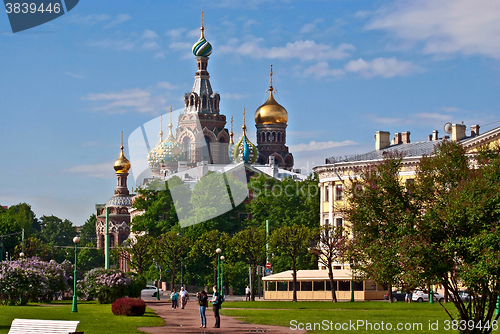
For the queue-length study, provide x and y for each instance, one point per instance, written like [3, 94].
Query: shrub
[129, 307]
[31, 279]
[107, 285]
[137, 284]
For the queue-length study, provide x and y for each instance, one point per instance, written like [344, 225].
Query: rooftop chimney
[430, 137]
[405, 137]
[435, 135]
[397, 138]
[474, 130]
[382, 140]
[457, 132]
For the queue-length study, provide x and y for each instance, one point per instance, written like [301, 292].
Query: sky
[343, 69]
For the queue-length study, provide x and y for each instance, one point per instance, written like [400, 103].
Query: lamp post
[352, 283]
[222, 258]
[21, 256]
[74, 309]
[218, 251]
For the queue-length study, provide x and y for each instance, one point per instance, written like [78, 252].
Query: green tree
[158, 207]
[330, 248]
[57, 232]
[169, 249]
[291, 241]
[88, 235]
[141, 253]
[12, 221]
[250, 245]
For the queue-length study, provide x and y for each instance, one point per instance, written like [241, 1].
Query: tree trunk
[252, 278]
[172, 277]
[294, 267]
[390, 293]
[332, 283]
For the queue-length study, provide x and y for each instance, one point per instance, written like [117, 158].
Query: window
[327, 223]
[187, 148]
[207, 155]
[338, 222]
[306, 286]
[327, 193]
[358, 286]
[319, 285]
[204, 102]
[282, 286]
[329, 287]
[344, 286]
[271, 286]
[410, 184]
[290, 286]
[339, 192]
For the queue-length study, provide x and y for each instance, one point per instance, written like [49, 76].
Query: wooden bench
[35, 326]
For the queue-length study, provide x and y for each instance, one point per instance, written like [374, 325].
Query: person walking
[203, 302]
[184, 297]
[247, 293]
[174, 296]
[216, 306]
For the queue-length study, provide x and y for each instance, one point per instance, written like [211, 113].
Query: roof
[309, 275]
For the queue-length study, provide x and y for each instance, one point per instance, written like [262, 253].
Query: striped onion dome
[244, 150]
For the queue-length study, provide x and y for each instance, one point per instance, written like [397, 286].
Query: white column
[330, 203]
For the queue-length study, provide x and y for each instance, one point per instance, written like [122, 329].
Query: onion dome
[153, 154]
[122, 165]
[168, 150]
[244, 150]
[202, 48]
[271, 112]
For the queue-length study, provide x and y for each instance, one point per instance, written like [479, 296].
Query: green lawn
[94, 318]
[416, 316]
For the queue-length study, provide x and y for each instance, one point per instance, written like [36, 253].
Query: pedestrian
[216, 306]
[174, 296]
[408, 296]
[203, 302]
[247, 293]
[184, 297]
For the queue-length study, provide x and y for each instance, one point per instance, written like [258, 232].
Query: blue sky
[343, 70]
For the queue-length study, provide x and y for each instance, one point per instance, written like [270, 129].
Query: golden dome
[122, 165]
[271, 112]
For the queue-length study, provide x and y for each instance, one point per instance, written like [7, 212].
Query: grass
[327, 314]
[94, 318]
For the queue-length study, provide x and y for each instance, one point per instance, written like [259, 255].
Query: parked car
[150, 290]
[423, 296]
[464, 296]
[397, 295]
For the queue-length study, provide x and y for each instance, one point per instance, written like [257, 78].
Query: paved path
[188, 321]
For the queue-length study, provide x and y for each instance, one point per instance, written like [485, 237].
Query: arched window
[274, 136]
[279, 137]
[263, 136]
[187, 148]
[204, 102]
[206, 154]
[191, 100]
[269, 136]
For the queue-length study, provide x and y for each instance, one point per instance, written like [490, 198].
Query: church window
[204, 102]
[263, 137]
[279, 135]
[191, 100]
[274, 136]
[187, 148]
[269, 136]
[206, 153]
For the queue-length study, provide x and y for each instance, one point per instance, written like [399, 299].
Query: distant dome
[271, 112]
[168, 150]
[244, 150]
[122, 165]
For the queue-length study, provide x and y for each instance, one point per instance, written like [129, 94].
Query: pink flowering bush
[107, 285]
[30, 280]
[129, 307]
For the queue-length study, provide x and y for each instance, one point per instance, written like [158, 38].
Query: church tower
[201, 128]
[271, 122]
[118, 207]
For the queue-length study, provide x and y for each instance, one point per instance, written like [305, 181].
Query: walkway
[188, 321]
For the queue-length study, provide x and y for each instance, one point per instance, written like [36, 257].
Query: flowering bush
[30, 279]
[128, 306]
[107, 285]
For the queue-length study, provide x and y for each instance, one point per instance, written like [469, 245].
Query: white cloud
[97, 171]
[135, 99]
[384, 67]
[450, 109]
[180, 46]
[150, 45]
[119, 19]
[159, 55]
[444, 26]
[148, 34]
[304, 50]
[435, 120]
[310, 27]
[322, 69]
[194, 33]
[74, 75]
[250, 23]
[166, 85]
[175, 33]
[315, 146]
[236, 96]
[120, 45]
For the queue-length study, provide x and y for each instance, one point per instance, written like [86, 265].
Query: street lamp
[21, 256]
[218, 251]
[222, 258]
[157, 280]
[74, 309]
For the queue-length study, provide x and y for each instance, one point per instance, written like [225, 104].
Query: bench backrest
[35, 326]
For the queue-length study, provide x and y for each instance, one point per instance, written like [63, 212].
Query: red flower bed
[128, 306]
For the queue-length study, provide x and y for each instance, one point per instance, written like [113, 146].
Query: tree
[250, 245]
[379, 209]
[159, 212]
[291, 241]
[88, 235]
[141, 253]
[170, 248]
[12, 222]
[330, 250]
[57, 232]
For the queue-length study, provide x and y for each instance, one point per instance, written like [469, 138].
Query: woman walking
[203, 302]
[216, 305]
[174, 296]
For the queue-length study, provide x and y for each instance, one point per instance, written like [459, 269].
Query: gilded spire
[202, 27]
[170, 124]
[161, 128]
[244, 127]
[231, 134]
[121, 146]
[271, 84]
